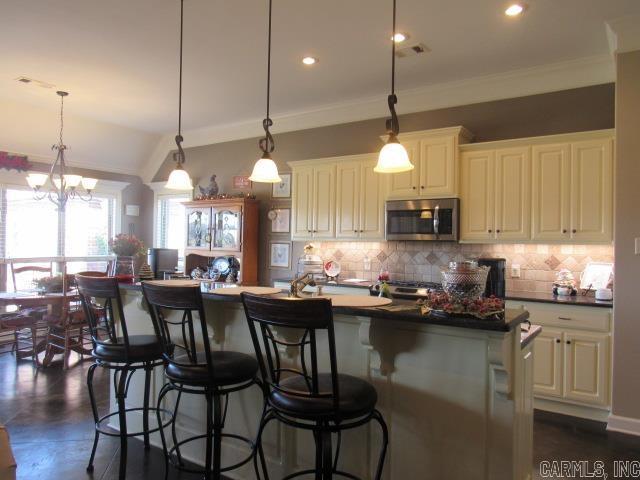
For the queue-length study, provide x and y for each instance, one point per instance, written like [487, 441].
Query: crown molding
[623, 34]
[582, 72]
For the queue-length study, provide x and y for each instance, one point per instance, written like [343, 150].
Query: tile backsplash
[421, 261]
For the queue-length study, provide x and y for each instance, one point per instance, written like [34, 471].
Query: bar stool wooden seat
[192, 367]
[121, 353]
[325, 403]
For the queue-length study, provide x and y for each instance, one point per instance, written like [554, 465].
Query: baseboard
[573, 410]
[628, 425]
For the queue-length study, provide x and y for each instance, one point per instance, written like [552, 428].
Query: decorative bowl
[464, 280]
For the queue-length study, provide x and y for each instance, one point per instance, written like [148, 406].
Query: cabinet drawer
[566, 316]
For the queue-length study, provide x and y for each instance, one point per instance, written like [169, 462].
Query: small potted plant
[126, 248]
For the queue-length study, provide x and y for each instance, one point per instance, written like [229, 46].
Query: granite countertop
[404, 310]
[542, 297]
[527, 336]
[338, 283]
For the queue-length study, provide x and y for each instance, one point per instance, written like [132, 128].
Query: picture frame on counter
[280, 255]
[280, 219]
[282, 189]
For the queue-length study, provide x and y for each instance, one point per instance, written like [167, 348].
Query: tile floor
[48, 416]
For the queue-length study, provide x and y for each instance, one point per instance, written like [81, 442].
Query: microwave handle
[436, 219]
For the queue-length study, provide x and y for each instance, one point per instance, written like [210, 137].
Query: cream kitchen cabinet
[434, 154]
[313, 201]
[359, 199]
[572, 360]
[573, 191]
[495, 195]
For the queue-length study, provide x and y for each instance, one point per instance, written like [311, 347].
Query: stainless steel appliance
[162, 260]
[422, 219]
[408, 290]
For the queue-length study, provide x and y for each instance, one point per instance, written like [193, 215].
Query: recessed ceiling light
[309, 60]
[399, 37]
[514, 10]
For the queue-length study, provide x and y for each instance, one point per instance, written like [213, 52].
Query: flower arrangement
[124, 245]
[52, 284]
[480, 307]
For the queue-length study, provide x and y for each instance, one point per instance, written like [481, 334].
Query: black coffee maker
[496, 277]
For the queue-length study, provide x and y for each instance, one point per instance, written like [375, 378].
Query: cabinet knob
[564, 230]
[308, 231]
[557, 340]
[361, 231]
[574, 231]
[568, 342]
[498, 231]
[489, 230]
[413, 188]
[315, 231]
[422, 186]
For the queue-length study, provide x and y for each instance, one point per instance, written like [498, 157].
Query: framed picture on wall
[280, 255]
[282, 189]
[280, 220]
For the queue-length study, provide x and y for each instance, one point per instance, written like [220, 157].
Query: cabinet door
[587, 367]
[405, 184]
[547, 357]
[551, 192]
[592, 190]
[199, 228]
[302, 194]
[477, 199]
[324, 198]
[372, 196]
[437, 167]
[348, 195]
[227, 229]
[513, 194]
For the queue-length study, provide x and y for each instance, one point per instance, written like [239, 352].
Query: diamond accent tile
[382, 256]
[433, 259]
[552, 262]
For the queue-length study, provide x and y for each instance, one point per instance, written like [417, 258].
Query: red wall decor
[16, 162]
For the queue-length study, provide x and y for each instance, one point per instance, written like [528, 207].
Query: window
[89, 226]
[170, 221]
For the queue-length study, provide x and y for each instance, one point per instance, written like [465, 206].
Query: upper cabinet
[313, 201]
[543, 189]
[434, 153]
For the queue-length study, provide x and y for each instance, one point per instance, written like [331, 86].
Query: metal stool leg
[217, 435]
[377, 416]
[145, 412]
[208, 458]
[327, 454]
[165, 389]
[121, 395]
[94, 410]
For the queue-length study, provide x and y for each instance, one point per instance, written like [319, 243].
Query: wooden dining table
[13, 302]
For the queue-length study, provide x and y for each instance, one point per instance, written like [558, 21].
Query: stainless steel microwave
[422, 219]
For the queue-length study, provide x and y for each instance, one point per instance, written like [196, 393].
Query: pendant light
[393, 157]
[179, 178]
[265, 169]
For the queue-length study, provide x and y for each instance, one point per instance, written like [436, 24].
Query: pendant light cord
[393, 126]
[61, 118]
[179, 155]
[266, 144]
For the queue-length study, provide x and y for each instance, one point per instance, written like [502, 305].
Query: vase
[123, 269]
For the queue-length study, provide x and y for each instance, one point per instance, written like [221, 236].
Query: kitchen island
[456, 393]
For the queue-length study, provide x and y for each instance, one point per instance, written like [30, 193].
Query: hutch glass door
[227, 229]
[199, 228]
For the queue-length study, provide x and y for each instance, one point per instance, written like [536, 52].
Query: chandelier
[63, 186]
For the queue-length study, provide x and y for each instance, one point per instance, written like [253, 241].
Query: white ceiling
[118, 58]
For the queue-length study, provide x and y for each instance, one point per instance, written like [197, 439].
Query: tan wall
[626, 366]
[581, 109]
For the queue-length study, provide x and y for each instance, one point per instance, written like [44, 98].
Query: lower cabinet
[572, 359]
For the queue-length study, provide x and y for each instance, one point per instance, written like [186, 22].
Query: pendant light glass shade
[179, 180]
[393, 158]
[265, 171]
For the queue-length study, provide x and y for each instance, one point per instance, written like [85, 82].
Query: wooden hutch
[223, 228]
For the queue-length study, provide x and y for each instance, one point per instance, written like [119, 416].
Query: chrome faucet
[298, 284]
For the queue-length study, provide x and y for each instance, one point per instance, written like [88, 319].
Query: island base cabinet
[456, 400]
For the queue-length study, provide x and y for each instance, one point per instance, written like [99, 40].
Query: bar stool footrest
[312, 471]
[152, 410]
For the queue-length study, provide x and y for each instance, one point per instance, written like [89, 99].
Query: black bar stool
[123, 354]
[324, 403]
[192, 367]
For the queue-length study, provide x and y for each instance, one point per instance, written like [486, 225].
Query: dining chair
[36, 272]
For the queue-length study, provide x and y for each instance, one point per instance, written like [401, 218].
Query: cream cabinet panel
[587, 367]
[548, 363]
[302, 199]
[438, 172]
[477, 202]
[551, 192]
[348, 195]
[592, 196]
[372, 195]
[513, 194]
[405, 184]
[324, 214]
